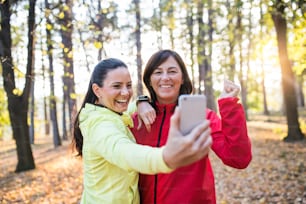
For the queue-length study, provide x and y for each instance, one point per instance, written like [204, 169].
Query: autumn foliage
[277, 173]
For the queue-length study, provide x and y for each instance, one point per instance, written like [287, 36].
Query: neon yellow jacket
[112, 159]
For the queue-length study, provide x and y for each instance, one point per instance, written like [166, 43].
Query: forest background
[49, 48]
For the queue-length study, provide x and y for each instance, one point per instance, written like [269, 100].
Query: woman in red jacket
[166, 77]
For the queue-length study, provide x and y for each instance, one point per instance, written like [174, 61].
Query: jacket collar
[125, 117]
[168, 107]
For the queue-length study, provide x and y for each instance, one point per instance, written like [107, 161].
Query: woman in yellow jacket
[111, 157]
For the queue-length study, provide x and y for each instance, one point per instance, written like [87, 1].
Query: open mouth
[165, 86]
[122, 101]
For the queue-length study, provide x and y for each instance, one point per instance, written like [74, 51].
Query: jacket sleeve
[230, 137]
[117, 147]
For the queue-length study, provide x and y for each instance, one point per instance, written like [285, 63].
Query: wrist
[167, 160]
[142, 98]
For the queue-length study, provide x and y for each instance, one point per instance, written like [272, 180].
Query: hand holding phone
[193, 111]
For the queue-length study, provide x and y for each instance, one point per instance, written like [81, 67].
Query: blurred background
[48, 49]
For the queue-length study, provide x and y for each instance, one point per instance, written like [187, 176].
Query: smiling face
[166, 81]
[116, 91]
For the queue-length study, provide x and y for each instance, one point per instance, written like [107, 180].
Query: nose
[165, 76]
[124, 91]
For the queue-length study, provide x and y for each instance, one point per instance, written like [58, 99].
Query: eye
[157, 72]
[129, 86]
[172, 71]
[117, 86]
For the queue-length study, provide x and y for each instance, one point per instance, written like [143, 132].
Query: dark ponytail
[97, 77]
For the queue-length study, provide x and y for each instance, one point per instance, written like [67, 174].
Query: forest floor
[277, 173]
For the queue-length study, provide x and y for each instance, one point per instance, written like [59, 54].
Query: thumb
[175, 119]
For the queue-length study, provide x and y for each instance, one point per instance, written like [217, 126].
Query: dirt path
[277, 173]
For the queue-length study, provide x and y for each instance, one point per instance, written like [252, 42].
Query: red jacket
[194, 184]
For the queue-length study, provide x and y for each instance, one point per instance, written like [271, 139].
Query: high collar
[100, 105]
[125, 117]
[168, 107]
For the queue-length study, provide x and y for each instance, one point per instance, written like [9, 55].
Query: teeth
[165, 86]
[122, 101]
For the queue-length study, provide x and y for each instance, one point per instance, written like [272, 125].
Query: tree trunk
[300, 93]
[205, 53]
[160, 26]
[46, 121]
[280, 23]
[32, 114]
[263, 83]
[43, 67]
[201, 46]
[53, 110]
[82, 41]
[208, 80]
[17, 103]
[231, 41]
[100, 26]
[64, 114]
[138, 47]
[30, 65]
[243, 74]
[66, 33]
[171, 22]
[190, 25]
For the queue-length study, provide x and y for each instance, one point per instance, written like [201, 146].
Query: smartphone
[193, 111]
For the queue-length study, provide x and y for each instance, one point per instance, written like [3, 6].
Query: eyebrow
[172, 67]
[119, 82]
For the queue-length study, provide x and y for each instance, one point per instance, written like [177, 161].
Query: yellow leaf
[73, 96]
[98, 45]
[61, 15]
[49, 26]
[17, 92]
[70, 55]
[61, 45]
[66, 8]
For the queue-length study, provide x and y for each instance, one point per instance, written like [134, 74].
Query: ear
[95, 88]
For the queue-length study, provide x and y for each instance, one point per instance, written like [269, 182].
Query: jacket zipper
[157, 145]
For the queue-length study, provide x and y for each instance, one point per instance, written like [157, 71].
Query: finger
[139, 123]
[205, 140]
[198, 130]
[228, 82]
[206, 145]
[232, 85]
[152, 116]
[147, 123]
[148, 117]
[235, 91]
[227, 89]
[201, 140]
[148, 127]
